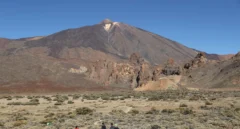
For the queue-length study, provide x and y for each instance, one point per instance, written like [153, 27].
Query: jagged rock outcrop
[144, 75]
[111, 73]
[198, 61]
[136, 59]
[135, 73]
[171, 68]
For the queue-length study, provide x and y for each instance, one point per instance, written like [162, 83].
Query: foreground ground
[181, 109]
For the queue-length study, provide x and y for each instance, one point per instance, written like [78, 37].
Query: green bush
[34, 100]
[183, 105]
[76, 97]
[19, 123]
[31, 103]
[58, 103]
[48, 120]
[49, 115]
[152, 111]
[194, 98]
[20, 103]
[14, 103]
[155, 127]
[155, 98]
[117, 112]
[9, 98]
[134, 112]
[47, 98]
[237, 110]
[60, 98]
[169, 111]
[70, 102]
[84, 111]
[30, 97]
[105, 97]
[18, 97]
[208, 103]
[186, 111]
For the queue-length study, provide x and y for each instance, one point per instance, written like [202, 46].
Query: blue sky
[208, 25]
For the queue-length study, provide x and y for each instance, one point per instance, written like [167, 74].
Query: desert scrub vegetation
[168, 111]
[48, 120]
[155, 127]
[208, 103]
[134, 112]
[19, 123]
[186, 111]
[75, 96]
[31, 102]
[14, 103]
[60, 98]
[84, 111]
[237, 110]
[70, 102]
[153, 111]
[47, 98]
[58, 103]
[117, 112]
[18, 97]
[30, 97]
[90, 97]
[9, 98]
[49, 115]
[183, 105]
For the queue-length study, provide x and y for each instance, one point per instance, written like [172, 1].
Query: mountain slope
[223, 74]
[117, 39]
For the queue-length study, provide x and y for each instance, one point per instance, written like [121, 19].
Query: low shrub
[84, 111]
[186, 111]
[117, 112]
[134, 112]
[155, 127]
[105, 98]
[58, 103]
[30, 97]
[14, 103]
[19, 123]
[49, 115]
[48, 120]
[152, 111]
[9, 98]
[18, 97]
[169, 111]
[183, 105]
[76, 97]
[208, 103]
[31, 103]
[70, 102]
[155, 98]
[237, 110]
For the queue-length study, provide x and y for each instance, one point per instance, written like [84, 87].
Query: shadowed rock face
[117, 39]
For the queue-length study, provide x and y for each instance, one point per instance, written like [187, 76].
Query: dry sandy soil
[130, 110]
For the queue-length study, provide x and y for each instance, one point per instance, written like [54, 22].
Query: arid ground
[179, 109]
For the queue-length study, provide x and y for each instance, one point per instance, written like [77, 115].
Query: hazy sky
[208, 25]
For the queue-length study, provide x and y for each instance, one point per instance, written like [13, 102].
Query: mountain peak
[106, 21]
